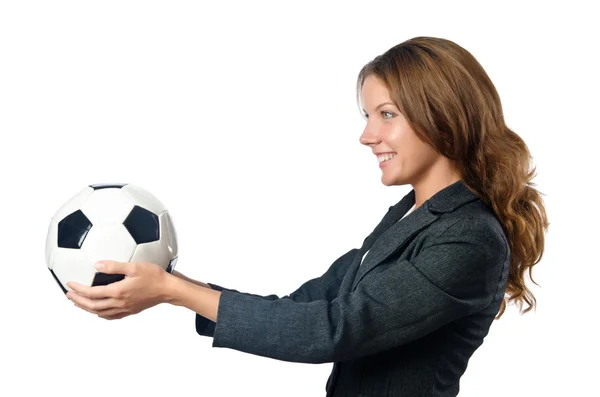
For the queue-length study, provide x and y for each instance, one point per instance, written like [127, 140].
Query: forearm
[202, 300]
[181, 276]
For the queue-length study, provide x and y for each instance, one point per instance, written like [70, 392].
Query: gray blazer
[405, 322]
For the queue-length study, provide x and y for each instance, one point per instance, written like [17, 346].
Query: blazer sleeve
[325, 288]
[455, 274]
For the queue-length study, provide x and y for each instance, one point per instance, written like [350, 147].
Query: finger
[94, 305]
[83, 308]
[114, 312]
[76, 298]
[97, 292]
[117, 317]
[114, 267]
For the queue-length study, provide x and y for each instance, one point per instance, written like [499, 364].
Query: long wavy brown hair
[452, 105]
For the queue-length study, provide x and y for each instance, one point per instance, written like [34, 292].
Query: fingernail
[99, 266]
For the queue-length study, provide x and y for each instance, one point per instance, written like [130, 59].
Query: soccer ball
[119, 222]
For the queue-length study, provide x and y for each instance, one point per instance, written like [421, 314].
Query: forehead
[374, 92]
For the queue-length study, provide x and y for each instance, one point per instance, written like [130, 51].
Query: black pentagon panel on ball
[59, 284]
[171, 266]
[73, 229]
[105, 279]
[99, 186]
[143, 225]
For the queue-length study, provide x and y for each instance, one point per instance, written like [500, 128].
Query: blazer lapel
[389, 235]
[394, 238]
[394, 213]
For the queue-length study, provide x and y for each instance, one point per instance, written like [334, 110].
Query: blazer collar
[389, 235]
[451, 197]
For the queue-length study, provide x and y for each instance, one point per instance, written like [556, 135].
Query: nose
[368, 136]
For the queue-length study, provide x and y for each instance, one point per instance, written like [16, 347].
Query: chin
[393, 180]
[389, 181]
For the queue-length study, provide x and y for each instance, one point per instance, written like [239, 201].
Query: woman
[403, 314]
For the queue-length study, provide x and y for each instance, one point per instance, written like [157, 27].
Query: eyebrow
[380, 105]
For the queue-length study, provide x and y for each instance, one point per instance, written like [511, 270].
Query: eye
[385, 114]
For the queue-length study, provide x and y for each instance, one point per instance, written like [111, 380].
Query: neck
[428, 187]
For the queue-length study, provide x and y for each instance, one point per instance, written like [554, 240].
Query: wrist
[171, 288]
[204, 301]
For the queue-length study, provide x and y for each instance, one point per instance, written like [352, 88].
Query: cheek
[393, 137]
[410, 153]
[418, 155]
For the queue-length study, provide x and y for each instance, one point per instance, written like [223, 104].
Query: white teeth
[385, 157]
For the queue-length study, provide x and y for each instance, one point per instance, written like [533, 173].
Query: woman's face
[387, 131]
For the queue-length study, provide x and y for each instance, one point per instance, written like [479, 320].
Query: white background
[242, 118]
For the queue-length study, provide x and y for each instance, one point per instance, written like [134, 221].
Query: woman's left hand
[142, 288]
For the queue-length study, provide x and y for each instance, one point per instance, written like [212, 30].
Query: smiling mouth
[385, 157]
